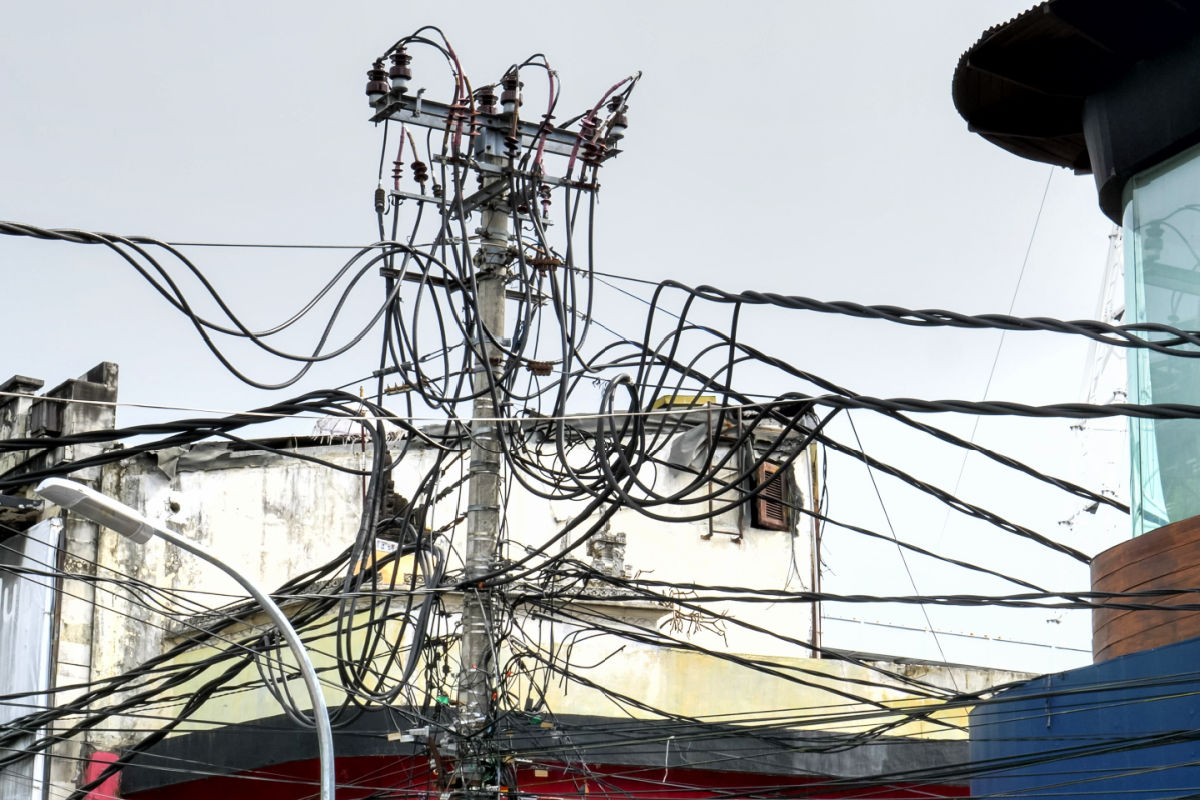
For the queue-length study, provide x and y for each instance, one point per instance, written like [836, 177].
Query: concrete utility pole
[483, 510]
[502, 143]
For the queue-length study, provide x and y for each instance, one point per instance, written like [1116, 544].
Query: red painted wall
[411, 778]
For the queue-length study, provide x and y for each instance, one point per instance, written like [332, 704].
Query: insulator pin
[487, 99]
[510, 97]
[400, 73]
[377, 83]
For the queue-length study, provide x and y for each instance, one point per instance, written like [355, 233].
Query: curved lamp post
[129, 523]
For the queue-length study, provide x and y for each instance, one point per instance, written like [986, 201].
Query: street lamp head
[98, 508]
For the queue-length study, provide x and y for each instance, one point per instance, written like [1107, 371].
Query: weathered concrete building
[63, 656]
[711, 695]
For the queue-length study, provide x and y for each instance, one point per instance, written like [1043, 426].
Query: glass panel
[1162, 275]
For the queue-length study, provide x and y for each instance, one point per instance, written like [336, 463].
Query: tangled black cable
[584, 414]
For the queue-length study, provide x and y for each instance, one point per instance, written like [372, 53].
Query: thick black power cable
[1178, 342]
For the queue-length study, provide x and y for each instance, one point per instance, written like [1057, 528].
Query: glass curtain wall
[1162, 274]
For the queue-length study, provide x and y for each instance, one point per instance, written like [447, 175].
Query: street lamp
[124, 520]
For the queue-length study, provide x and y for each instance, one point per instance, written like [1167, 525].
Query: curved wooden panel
[1115, 618]
[1167, 558]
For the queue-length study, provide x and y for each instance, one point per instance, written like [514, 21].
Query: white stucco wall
[274, 517]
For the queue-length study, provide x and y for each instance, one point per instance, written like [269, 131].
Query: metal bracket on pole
[432, 114]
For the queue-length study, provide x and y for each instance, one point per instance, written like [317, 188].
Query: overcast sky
[799, 147]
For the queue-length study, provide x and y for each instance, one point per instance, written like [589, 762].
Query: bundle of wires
[575, 423]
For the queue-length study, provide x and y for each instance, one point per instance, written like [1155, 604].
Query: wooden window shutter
[769, 509]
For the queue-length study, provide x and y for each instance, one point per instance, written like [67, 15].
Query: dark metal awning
[1022, 86]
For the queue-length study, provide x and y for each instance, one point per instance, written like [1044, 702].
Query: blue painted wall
[1126, 728]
